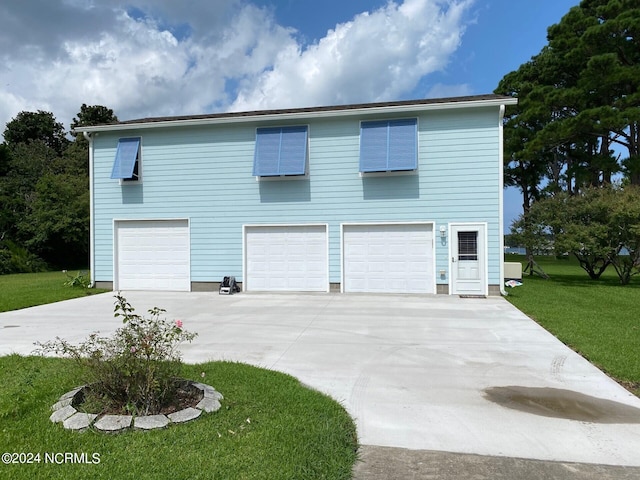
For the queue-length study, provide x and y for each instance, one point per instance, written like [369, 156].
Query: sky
[145, 58]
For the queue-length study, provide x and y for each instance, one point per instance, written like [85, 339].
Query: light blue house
[401, 197]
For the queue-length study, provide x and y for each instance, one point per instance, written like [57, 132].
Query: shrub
[81, 280]
[137, 368]
[17, 259]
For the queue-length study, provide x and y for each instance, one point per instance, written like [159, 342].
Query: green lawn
[29, 289]
[270, 427]
[598, 319]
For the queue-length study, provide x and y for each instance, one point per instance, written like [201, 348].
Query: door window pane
[468, 246]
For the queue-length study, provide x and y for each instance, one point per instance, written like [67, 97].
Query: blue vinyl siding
[205, 174]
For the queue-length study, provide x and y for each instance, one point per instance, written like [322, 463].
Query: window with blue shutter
[126, 164]
[280, 151]
[388, 145]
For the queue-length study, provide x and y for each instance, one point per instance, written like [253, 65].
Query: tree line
[44, 191]
[572, 144]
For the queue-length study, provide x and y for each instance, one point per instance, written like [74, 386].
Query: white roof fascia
[260, 118]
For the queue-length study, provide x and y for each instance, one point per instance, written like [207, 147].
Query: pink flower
[133, 349]
[179, 323]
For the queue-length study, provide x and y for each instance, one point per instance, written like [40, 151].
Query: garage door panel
[152, 255]
[295, 258]
[394, 258]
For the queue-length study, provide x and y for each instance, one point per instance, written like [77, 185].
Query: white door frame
[483, 253]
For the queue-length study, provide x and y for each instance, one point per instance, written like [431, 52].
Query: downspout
[92, 257]
[501, 196]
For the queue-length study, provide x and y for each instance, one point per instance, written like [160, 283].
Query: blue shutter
[403, 147]
[293, 151]
[126, 156]
[267, 152]
[280, 151]
[373, 146]
[388, 145]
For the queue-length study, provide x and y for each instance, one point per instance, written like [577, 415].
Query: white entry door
[468, 259]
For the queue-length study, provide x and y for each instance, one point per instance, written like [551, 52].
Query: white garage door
[286, 258]
[152, 255]
[388, 258]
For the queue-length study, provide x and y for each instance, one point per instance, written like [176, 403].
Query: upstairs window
[388, 146]
[280, 151]
[126, 165]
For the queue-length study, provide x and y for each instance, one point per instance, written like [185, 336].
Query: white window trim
[390, 173]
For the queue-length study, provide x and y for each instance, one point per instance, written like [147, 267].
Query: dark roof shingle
[337, 108]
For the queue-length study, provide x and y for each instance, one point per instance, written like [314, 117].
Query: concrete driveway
[417, 372]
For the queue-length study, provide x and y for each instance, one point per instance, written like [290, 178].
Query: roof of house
[334, 110]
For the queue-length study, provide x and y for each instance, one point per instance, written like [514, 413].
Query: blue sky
[159, 57]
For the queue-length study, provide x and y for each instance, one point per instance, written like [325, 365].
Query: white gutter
[297, 115]
[92, 258]
[501, 196]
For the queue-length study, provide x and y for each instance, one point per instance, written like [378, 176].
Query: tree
[578, 98]
[5, 157]
[44, 190]
[41, 126]
[57, 221]
[584, 87]
[5, 196]
[596, 86]
[27, 163]
[625, 227]
[580, 225]
[600, 227]
[93, 115]
[76, 155]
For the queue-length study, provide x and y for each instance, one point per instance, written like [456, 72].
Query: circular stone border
[71, 419]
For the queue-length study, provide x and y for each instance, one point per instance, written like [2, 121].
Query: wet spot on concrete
[559, 403]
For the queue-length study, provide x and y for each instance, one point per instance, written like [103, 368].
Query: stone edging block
[65, 413]
[209, 405]
[61, 414]
[185, 415]
[149, 422]
[113, 423]
[79, 421]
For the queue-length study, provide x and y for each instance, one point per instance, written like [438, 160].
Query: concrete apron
[418, 372]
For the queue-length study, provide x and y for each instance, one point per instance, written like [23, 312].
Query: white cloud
[160, 57]
[377, 56]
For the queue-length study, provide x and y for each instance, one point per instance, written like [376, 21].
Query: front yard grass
[597, 318]
[24, 290]
[269, 427]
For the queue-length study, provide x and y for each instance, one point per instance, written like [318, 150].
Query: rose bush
[136, 369]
